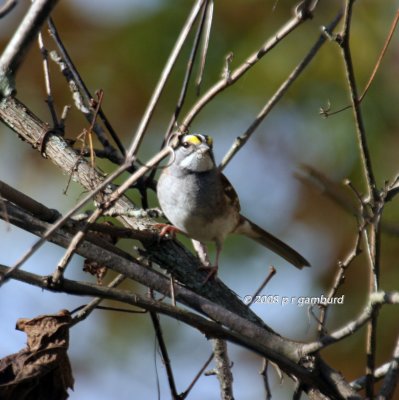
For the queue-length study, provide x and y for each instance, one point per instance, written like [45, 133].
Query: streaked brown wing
[230, 193]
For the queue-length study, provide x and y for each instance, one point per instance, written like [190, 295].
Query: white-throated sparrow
[200, 202]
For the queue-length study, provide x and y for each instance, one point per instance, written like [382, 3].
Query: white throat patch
[197, 161]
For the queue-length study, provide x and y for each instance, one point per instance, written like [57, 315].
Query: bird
[200, 202]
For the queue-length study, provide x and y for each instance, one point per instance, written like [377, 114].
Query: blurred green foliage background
[123, 52]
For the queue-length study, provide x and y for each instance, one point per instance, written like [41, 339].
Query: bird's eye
[185, 144]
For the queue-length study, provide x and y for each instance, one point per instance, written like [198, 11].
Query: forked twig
[327, 113]
[84, 312]
[226, 81]
[338, 281]
[138, 137]
[140, 172]
[376, 301]
[187, 75]
[241, 140]
[83, 90]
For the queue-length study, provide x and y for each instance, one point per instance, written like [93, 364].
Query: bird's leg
[202, 252]
[213, 270]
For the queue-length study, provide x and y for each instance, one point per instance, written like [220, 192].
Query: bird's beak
[203, 150]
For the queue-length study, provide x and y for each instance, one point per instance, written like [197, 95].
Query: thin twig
[380, 373]
[298, 391]
[344, 42]
[90, 289]
[79, 236]
[17, 47]
[187, 75]
[373, 197]
[338, 281]
[164, 353]
[7, 7]
[73, 245]
[392, 376]
[241, 140]
[335, 191]
[255, 335]
[140, 172]
[86, 108]
[47, 81]
[232, 77]
[269, 276]
[265, 376]
[381, 56]
[84, 312]
[208, 18]
[83, 90]
[195, 320]
[138, 137]
[376, 301]
[327, 112]
[184, 394]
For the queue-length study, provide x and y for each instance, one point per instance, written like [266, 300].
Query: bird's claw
[167, 229]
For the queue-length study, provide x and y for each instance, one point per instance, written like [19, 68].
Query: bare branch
[82, 95]
[339, 280]
[376, 301]
[373, 239]
[34, 207]
[388, 371]
[208, 24]
[187, 75]
[223, 369]
[264, 373]
[343, 41]
[47, 81]
[392, 376]
[195, 380]
[165, 356]
[19, 44]
[241, 330]
[84, 312]
[232, 77]
[240, 141]
[138, 137]
[268, 278]
[7, 7]
[31, 129]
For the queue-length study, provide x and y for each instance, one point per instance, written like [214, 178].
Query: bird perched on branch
[200, 202]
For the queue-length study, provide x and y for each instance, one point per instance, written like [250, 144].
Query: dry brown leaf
[42, 370]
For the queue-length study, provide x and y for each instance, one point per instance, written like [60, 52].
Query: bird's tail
[255, 232]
